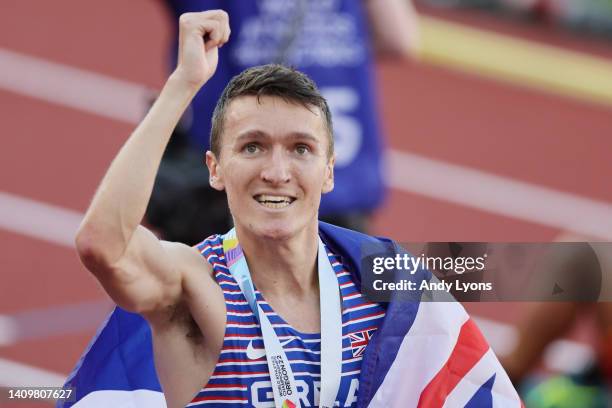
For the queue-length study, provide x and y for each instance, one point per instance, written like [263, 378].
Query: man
[231, 332]
[273, 155]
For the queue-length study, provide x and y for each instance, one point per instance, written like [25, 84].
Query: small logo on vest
[359, 341]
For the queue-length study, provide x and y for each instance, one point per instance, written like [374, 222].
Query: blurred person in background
[333, 42]
[591, 386]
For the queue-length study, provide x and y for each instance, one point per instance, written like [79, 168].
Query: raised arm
[138, 271]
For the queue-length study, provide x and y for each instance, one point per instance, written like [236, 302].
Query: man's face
[273, 165]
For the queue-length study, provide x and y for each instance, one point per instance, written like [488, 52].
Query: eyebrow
[258, 134]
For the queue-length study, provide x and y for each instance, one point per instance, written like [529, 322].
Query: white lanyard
[283, 382]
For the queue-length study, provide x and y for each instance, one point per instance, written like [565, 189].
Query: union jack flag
[359, 341]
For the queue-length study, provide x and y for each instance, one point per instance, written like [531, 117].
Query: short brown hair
[270, 80]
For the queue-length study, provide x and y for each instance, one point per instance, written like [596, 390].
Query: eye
[302, 149]
[251, 148]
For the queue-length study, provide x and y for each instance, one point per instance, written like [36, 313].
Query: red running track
[57, 155]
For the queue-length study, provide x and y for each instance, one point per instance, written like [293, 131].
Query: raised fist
[200, 37]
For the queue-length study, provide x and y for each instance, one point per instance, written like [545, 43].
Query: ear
[214, 169]
[328, 183]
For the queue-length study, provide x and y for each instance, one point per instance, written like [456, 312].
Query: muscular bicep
[148, 276]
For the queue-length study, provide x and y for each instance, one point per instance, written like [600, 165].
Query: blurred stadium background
[501, 131]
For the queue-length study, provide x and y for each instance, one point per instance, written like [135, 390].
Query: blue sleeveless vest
[241, 375]
[326, 39]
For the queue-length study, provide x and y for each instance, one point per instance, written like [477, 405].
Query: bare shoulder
[200, 311]
[188, 259]
[198, 287]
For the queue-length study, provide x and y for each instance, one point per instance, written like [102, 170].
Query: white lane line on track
[14, 374]
[499, 195]
[40, 324]
[52, 321]
[72, 87]
[38, 220]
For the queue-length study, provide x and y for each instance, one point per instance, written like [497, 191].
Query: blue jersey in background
[329, 41]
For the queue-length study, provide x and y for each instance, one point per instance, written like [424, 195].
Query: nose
[278, 169]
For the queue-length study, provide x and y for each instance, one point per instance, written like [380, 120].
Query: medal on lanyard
[281, 374]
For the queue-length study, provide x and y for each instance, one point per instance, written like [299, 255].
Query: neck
[281, 266]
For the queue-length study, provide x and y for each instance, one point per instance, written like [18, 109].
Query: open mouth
[274, 201]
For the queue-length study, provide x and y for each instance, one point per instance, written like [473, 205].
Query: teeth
[274, 201]
[275, 205]
[273, 198]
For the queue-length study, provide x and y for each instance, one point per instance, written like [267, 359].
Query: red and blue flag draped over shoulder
[424, 354]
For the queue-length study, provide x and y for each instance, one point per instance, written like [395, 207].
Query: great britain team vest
[241, 376]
